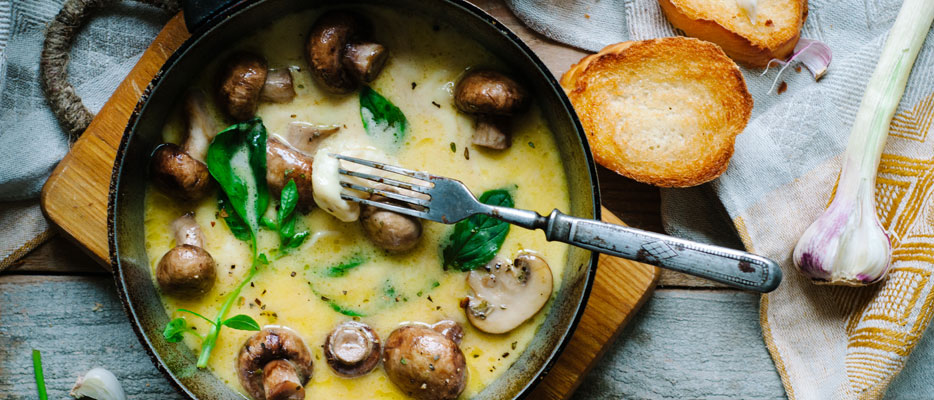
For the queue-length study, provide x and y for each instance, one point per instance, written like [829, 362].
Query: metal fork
[448, 201]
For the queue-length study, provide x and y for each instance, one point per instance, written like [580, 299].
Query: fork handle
[732, 267]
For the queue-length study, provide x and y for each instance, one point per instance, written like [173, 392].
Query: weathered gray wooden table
[693, 339]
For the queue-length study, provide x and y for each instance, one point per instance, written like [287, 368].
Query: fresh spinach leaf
[241, 322]
[342, 268]
[236, 225]
[381, 118]
[237, 160]
[476, 240]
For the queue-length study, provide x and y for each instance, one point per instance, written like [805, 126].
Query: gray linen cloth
[827, 342]
[31, 141]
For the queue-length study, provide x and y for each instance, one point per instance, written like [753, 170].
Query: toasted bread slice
[752, 40]
[664, 111]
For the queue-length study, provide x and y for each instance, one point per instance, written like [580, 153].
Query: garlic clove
[98, 384]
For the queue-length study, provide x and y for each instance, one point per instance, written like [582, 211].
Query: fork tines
[419, 192]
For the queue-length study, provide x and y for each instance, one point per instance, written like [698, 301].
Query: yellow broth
[297, 290]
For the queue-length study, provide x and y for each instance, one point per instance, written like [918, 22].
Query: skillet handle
[197, 12]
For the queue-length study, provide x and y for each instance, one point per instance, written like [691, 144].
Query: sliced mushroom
[340, 52]
[241, 80]
[181, 171]
[274, 364]
[424, 364]
[278, 87]
[490, 96]
[187, 270]
[390, 230]
[284, 162]
[352, 349]
[506, 295]
[306, 136]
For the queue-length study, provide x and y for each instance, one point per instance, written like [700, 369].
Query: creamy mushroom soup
[353, 303]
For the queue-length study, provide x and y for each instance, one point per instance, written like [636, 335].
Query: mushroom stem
[187, 231]
[490, 133]
[364, 61]
[281, 381]
[201, 128]
[278, 86]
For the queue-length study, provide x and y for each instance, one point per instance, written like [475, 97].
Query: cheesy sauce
[337, 274]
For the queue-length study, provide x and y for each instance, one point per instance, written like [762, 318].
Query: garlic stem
[847, 244]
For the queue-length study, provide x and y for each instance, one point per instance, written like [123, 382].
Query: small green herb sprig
[285, 220]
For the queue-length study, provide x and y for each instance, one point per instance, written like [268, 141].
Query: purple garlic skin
[846, 245]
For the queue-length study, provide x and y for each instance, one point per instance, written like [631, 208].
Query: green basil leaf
[269, 224]
[381, 118]
[174, 330]
[476, 240]
[288, 200]
[241, 322]
[297, 240]
[287, 229]
[237, 160]
[347, 265]
[236, 225]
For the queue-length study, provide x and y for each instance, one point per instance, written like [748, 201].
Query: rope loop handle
[53, 62]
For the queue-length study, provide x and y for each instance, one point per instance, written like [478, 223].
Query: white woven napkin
[827, 343]
[31, 141]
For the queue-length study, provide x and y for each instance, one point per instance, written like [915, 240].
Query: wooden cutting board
[75, 198]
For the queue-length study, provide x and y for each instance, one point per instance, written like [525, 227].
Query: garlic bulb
[847, 244]
[98, 384]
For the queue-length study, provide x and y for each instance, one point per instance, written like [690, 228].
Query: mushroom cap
[326, 46]
[186, 271]
[284, 162]
[178, 174]
[267, 345]
[483, 91]
[240, 83]
[352, 349]
[424, 364]
[450, 329]
[390, 230]
[506, 295]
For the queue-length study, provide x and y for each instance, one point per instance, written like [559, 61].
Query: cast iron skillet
[214, 23]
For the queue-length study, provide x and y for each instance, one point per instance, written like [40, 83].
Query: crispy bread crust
[664, 111]
[750, 51]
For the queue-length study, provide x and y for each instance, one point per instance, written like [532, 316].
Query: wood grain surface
[75, 198]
